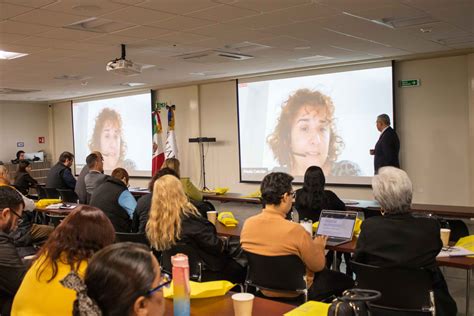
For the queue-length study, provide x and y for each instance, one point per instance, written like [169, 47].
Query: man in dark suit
[387, 147]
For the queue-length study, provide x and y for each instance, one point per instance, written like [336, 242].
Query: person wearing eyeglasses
[12, 268]
[121, 279]
[82, 233]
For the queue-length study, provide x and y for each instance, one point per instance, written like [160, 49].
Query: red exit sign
[41, 139]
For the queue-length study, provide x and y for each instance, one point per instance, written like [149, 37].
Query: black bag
[353, 303]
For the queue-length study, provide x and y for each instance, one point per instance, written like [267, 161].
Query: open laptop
[337, 225]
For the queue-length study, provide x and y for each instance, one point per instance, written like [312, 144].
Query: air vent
[96, 25]
[16, 91]
[213, 56]
[246, 47]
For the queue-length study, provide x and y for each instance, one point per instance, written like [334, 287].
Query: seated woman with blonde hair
[174, 219]
[82, 233]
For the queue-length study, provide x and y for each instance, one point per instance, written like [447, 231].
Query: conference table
[222, 306]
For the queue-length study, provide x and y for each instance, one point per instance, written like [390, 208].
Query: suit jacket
[404, 241]
[387, 149]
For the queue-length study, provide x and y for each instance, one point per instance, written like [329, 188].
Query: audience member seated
[121, 279]
[20, 155]
[270, 234]
[12, 269]
[82, 233]
[174, 219]
[28, 232]
[80, 183]
[96, 175]
[312, 198]
[60, 175]
[400, 240]
[23, 180]
[116, 201]
[189, 188]
[142, 211]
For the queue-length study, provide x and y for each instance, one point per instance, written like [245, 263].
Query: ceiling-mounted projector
[122, 66]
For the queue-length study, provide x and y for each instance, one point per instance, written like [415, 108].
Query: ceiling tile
[30, 3]
[178, 6]
[21, 48]
[391, 11]
[136, 15]
[284, 42]
[128, 2]
[8, 11]
[112, 39]
[68, 34]
[22, 28]
[223, 13]
[84, 7]
[181, 23]
[310, 12]
[268, 5]
[45, 17]
[263, 20]
[10, 38]
[436, 31]
[347, 5]
[231, 33]
[183, 38]
[143, 32]
[460, 15]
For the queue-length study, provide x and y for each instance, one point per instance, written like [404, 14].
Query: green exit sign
[409, 83]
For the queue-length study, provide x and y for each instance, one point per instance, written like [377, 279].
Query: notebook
[337, 225]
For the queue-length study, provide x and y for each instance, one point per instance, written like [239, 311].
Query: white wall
[23, 122]
[435, 123]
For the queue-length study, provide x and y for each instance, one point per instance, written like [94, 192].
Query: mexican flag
[158, 152]
[171, 148]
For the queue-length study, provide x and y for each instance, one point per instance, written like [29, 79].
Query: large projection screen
[322, 117]
[118, 127]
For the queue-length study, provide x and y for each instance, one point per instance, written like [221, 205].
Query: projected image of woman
[305, 135]
[107, 138]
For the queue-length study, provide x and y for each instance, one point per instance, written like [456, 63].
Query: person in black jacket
[174, 219]
[388, 146]
[311, 199]
[23, 180]
[400, 240]
[12, 270]
[60, 175]
[140, 217]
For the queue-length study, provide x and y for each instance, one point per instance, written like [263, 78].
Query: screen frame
[295, 74]
[103, 97]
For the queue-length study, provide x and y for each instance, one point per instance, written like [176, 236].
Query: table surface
[57, 211]
[222, 306]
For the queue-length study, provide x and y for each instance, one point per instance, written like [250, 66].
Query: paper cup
[212, 217]
[308, 226]
[243, 303]
[445, 232]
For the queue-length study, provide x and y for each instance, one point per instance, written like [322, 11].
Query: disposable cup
[243, 303]
[212, 217]
[445, 232]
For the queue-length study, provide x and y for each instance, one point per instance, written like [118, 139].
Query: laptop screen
[336, 224]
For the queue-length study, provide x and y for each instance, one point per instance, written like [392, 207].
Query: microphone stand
[203, 166]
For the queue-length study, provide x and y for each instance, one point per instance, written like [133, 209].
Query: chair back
[403, 289]
[42, 194]
[139, 238]
[277, 273]
[68, 195]
[196, 265]
[52, 193]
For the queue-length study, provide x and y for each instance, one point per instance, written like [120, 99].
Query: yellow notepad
[310, 308]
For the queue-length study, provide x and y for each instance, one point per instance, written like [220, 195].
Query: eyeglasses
[292, 193]
[20, 219]
[165, 282]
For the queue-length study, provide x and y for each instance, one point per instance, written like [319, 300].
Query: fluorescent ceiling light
[10, 55]
[132, 84]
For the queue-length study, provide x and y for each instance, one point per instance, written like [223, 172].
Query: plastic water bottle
[181, 289]
[295, 217]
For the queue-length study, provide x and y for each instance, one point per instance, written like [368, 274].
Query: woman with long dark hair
[23, 180]
[121, 279]
[82, 233]
[313, 198]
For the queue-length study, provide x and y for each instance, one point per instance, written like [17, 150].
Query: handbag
[353, 302]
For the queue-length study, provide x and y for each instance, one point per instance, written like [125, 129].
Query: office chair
[52, 193]
[404, 291]
[68, 195]
[196, 265]
[42, 194]
[277, 274]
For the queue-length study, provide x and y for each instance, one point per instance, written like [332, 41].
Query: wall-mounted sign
[41, 139]
[20, 144]
[409, 83]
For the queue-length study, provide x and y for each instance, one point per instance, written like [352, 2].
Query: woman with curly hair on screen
[108, 139]
[305, 135]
